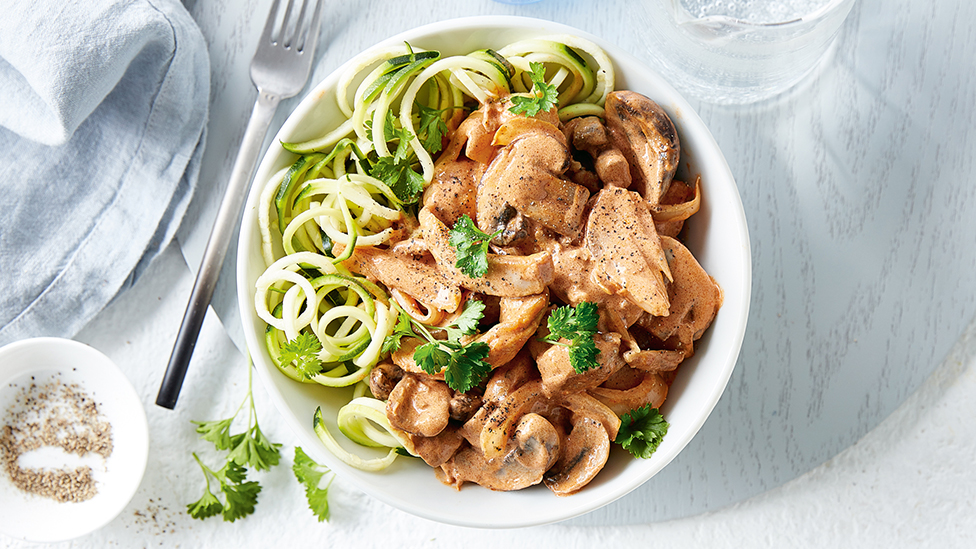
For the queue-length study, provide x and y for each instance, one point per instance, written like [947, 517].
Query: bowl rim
[717, 162]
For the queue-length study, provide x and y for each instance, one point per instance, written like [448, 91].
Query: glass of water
[740, 51]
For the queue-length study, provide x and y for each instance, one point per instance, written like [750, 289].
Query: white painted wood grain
[859, 189]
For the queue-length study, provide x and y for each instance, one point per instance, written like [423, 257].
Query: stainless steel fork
[279, 70]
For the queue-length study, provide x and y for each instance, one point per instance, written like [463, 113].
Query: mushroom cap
[586, 452]
[644, 133]
[419, 406]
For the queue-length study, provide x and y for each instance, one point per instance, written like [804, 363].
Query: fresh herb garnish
[303, 353]
[464, 365]
[578, 325]
[641, 431]
[432, 128]
[397, 171]
[543, 97]
[240, 495]
[388, 128]
[471, 244]
[248, 448]
[310, 474]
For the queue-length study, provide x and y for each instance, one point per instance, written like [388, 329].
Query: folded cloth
[101, 132]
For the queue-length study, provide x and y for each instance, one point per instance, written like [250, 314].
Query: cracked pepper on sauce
[588, 210]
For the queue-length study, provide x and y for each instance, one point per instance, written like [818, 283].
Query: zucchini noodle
[334, 193]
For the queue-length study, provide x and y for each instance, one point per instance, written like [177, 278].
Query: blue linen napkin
[103, 110]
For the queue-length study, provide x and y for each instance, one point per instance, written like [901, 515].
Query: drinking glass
[740, 51]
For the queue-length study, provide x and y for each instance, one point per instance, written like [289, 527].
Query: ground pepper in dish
[60, 415]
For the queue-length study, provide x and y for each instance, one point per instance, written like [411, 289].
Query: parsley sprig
[310, 474]
[397, 170]
[578, 325]
[464, 365]
[471, 245]
[432, 128]
[240, 495]
[542, 98]
[250, 448]
[641, 431]
[303, 353]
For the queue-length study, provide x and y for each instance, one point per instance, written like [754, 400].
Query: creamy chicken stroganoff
[488, 250]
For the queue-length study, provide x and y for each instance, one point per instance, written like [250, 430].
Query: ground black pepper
[60, 415]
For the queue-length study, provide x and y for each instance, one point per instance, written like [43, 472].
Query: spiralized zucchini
[333, 197]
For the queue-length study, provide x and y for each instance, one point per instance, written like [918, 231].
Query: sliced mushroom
[621, 238]
[586, 452]
[644, 133]
[525, 177]
[463, 406]
[695, 299]
[501, 423]
[532, 449]
[383, 378]
[537, 442]
[419, 406]
[590, 135]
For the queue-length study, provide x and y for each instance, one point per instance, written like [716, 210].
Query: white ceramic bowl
[36, 518]
[717, 235]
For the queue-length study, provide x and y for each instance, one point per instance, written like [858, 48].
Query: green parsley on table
[641, 431]
[248, 448]
[310, 474]
[464, 365]
[240, 495]
[471, 245]
[578, 325]
[543, 97]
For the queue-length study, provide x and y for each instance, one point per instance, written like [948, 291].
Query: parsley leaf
[240, 496]
[310, 474]
[248, 448]
[468, 365]
[396, 171]
[467, 322]
[578, 325]
[303, 353]
[403, 329]
[254, 449]
[464, 365]
[543, 96]
[217, 432]
[471, 245]
[432, 128]
[388, 128]
[207, 506]
[641, 431]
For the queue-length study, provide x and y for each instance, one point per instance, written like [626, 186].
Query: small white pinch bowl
[36, 518]
[717, 235]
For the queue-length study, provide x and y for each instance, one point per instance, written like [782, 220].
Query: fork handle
[216, 250]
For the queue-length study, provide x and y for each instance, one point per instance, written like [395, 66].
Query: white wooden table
[858, 187]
